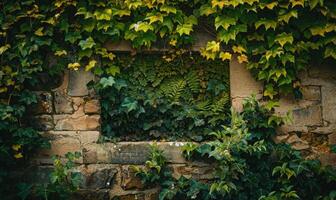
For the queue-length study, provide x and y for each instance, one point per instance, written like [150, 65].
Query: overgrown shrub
[248, 165]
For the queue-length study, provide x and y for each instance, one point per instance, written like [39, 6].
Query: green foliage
[63, 181]
[247, 164]
[181, 97]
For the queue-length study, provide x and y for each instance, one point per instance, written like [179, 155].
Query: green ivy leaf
[107, 82]
[87, 44]
[284, 38]
[224, 21]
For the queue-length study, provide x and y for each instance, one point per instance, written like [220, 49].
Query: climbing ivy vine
[276, 39]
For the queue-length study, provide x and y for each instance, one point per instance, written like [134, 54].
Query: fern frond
[193, 81]
[221, 104]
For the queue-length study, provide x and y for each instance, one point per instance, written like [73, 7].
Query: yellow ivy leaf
[267, 23]
[4, 48]
[18, 156]
[238, 49]
[142, 26]
[213, 46]
[168, 9]
[242, 58]
[173, 42]
[39, 32]
[297, 3]
[90, 65]
[219, 3]
[208, 54]
[60, 53]
[74, 66]
[16, 147]
[284, 38]
[271, 5]
[225, 56]
[286, 17]
[155, 18]
[3, 89]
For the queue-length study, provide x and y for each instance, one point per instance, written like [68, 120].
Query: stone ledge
[130, 152]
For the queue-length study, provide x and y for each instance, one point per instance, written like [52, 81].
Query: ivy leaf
[213, 46]
[39, 32]
[225, 56]
[142, 26]
[60, 53]
[113, 70]
[217, 3]
[330, 52]
[297, 3]
[129, 104]
[206, 10]
[154, 18]
[4, 48]
[90, 65]
[72, 36]
[267, 23]
[84, 12]
[107, 82]
[168, 9]
[269, 91]
[87, 44]
[74, 66]
[226, 36]
[184, 29]
[242, 58]
[224, 21]
[120, 12]
[287, 16]
[104, 14]
[284, 38]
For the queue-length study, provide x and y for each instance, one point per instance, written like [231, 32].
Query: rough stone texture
[92, 107]
[63, 142]
[78, 81]
[84, 122]
[63, 104]
[242, 84]
[332, 139]
[98, 176]
[44, 104]
[191, 171]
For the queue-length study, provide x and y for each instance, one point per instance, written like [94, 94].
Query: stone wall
[70, 115]
[313, 126]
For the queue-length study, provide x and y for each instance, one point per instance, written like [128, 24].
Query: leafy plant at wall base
[247, 164]
[63, 181]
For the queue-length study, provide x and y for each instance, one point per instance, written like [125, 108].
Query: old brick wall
[70, 115]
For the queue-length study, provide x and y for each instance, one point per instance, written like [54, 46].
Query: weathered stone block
[97, 153]
[78, 81]
[62, 145]
[92, 107]
[84, 122]
[97, 177]
[310, 116]
[329, 103]
[195, 172]
[63, 104]
[332, 139]
[312, 93]
[88, 137]
[242, 83]
[328, 159]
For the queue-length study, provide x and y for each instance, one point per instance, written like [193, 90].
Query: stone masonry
[70, 115]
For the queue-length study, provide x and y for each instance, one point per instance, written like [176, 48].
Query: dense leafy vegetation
[151, 97]
[248, 165]
[275, 38]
